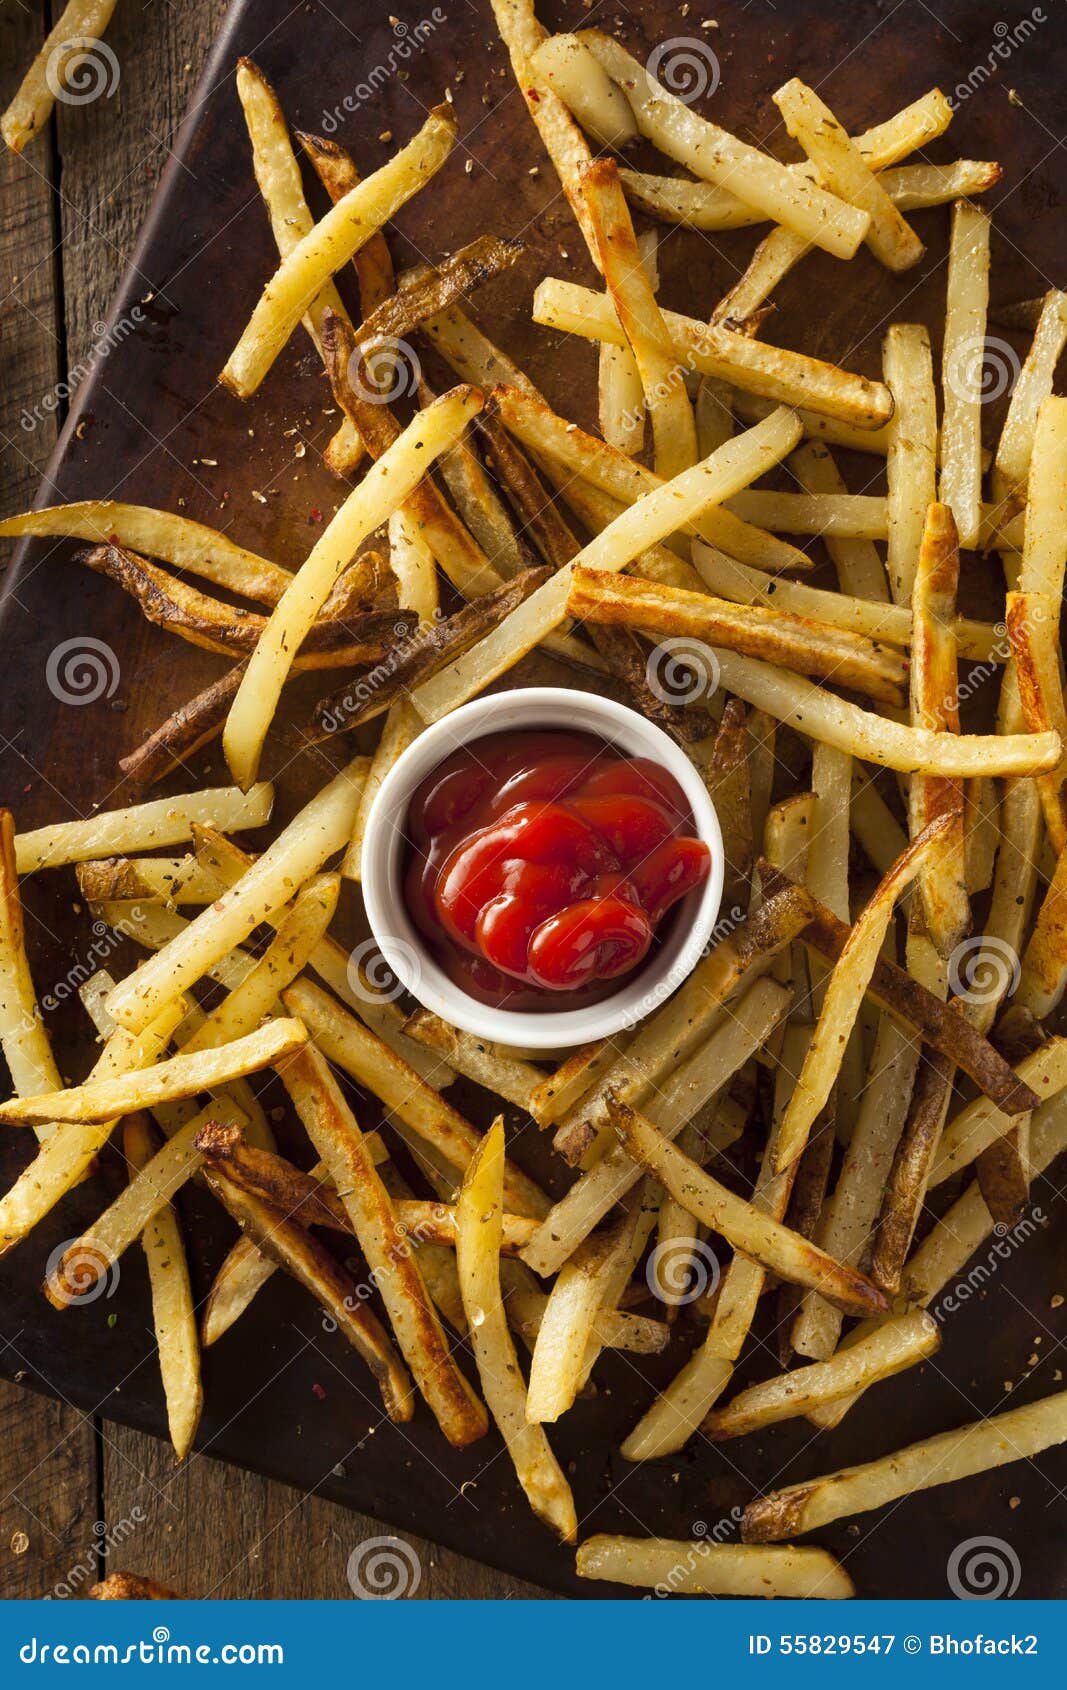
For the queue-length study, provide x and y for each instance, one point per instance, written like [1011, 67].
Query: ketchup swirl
[542, 865]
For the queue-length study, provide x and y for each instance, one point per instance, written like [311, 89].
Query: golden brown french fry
[72, 52]
[753, 365]
[979, 1124]
[143, 827]
[23, 1038]
[1033, 620]
[371, 1063]
[934, 705]
[714, 1569]
[173, 1314]
[490, 1065]
[662, 378]
[1043, 976]
[715, 155]
[657, 513]
[600, 106]
[966, 302]
[845, 989]
[385, 486]
[911, 459]
[177, 1076]
[299, 851]
[888, 1349]
[794, 700]
[1018, 1435]
[478, 1233]
[1033, 385]
[329, 245]
[333, 1131]
[748, 1229]
[779, 636]
[842, 168]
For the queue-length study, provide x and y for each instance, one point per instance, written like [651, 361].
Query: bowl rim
[403, 947]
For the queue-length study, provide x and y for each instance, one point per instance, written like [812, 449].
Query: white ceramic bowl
[402, 944]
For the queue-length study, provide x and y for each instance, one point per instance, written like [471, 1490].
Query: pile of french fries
[880, 860]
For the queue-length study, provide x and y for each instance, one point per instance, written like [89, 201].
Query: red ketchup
[541, 866]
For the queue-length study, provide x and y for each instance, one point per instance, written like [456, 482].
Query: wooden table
[70, 209]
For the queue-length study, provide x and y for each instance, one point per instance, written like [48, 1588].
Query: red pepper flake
[319, 1392]
[533, 96]
[314, 514]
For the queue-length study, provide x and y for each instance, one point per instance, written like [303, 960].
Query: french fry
[176, 540]
[845, 989]
[851, 1212]
[1018, 1435]
[912, 187]
[1033, 620]
[412, 562]
[749, 407]
[966, 302]
[1043, 975]
[713, 1569]
[678, 1411]
[333, 1131]
[346, 227]
[753, 365]
[185, 731]
[92, 1255]
[841, 167]
[178, 1076]
[620, 399]
[74, 38]
[934, 705]
[719, 157]
[336, 170]
[67, 1153]
[979, 1124]
[146, 880]
[890, 1348]
[478, 1234]
[860, 570]
[600, 106]
[173, 1314]
[279, 1241]
[490, 1065]
[796, 643]
[1033, 385]
[749, 1230]
[889, 623]
[553, 1098]
[542, 430]
[384, 487]
[1044, 546]
[911, 460]
[143, 827]
[372, 1064]
[677, 1100]
[278, 179]
[802, 705]
[23, 1037]
[299, 852]
[653, 516]
[669, 410]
